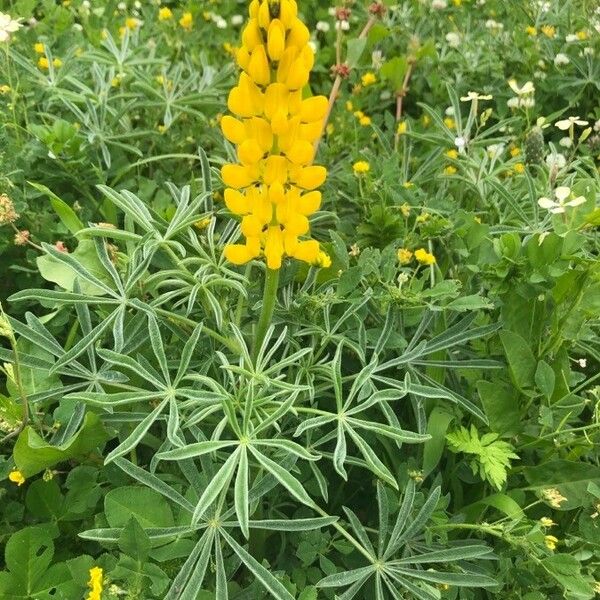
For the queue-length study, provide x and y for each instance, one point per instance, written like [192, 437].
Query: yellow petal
[298, 75]
[276, 193]
[233, 130]
[307, 251]
[251, 35]
[276, 168]
[296, 224]
[253, 9]
[288, 9]
[276, 100]
[238, 104]
[237, 176]
[236, 202]
[298, 35]
[258, 67]
[249, 152]
[309, 203]
[314, 109]
[242, 57]
[238, 254]
[310, 178]
[276, 39]
[288, 57]
[310, 131]
[300, 152]
[264, 15]
[260, 129]
[274, 247]
[251, 226]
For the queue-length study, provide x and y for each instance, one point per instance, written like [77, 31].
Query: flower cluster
[95, 584]
[273, 186]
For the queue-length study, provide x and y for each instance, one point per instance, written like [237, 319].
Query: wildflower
[364, 121]
[452, 153]
[548, 30]
[354, 250]
[553, 497]
[323, 260]
[560, 204]
[450, 170]
[582, 35]
[416, 476]
[561, 59]
[186, 21]
[556, 161]
[423, 217]
[322, 26]
[405, 210]
[550, 542]
[368, 79]
[349, 106]
[524, 90]
[453, 39]
[471, 96]
[4, 89]
[515, 151]
[408, 184]
[22, 237]
[43, 62]
[8, 25]
[547, 522]
[237, 20]
[565, 142]
[404, 256]
[165, 13]
[95, 584]
[401, 128]
[16, 477]
[39, 48]
[439, 4]
[582, 362]
[491, 24]
[597, 587]
[7, 210]
[424, 257]
[524, 95]
[273, 185]
[449, 122]
[203, 223]
[132, 23]
[57, 63]
[342, 25]
[571, 37]
[426, 120]
[519, 168]
[570, 122]
[530, 30]
[361, 167]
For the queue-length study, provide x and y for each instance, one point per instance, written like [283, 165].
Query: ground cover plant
[299, 300]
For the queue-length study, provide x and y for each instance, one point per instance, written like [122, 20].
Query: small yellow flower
[547, 522]
[450, 170]
[404, 256]
[161, 128]
[43, 62]
[515, 151]
[186, 21]
[365, 121]
[402, 127]
[330, 128]
[361, 167]
[359, 114]
[582, 35]
[16, 477]
[519, 168]
[368, 79]
[457, 2]
[408, 184]
[39, 48]
[57, 63]
[424, 257]
[449, 122]
[426, 120]
[95, 584]
[553, 497]
[530, 30]
[550, 542]
[549, 31]
[349, 106]
[423, 217]
[405, 210]
[203, 223]
[165, 13]
[4, 89]
[452, 153]
[132, 23]
[477, 220]
[323, 260]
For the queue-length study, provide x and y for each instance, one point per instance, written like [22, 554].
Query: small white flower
[237, 20]
[86, 4]
[122, 6]
[491, 24]
[588, 51]
[331, 11]
[342, 25]
[439, 4]
[559, 205]
[561, 59]
[525, 89]
[450, 111]
[323, 26]
[314, 46]
[556, 160]
[541, 75]
[495, 150]
[597, 125]
[453, 39]
[571, 37]
[475, 96]
[137, 4]
[8, 25]
[570, 122]
[565, 142]
[582, 363]
[385, 95]
[460, 142]
[77, 26]
[544, 6]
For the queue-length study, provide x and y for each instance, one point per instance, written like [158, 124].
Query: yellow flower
[424, 257]
[4, 89]
[57, 63]
[408, 184]
[550, 542]
[203, 223]
[404, 256]
[426, 120]
[359, 114]
[39, 48]
[323, 260]
[519, 168]
[405, 210]
[368, 79]
[530, 30]
[16, 477]
[95, 584]
[452, 153]
[547, 522]
[186, 21]
[132, 23]
[449, 123]
[165, 13]
[457, 2]
[161, 128]
[43, 62]
[401, 128]
[365, 121]
[272, 187]
[582, 35]
[553, 497]
[349, 106]
[450, 170]
[423, 217]
[329, 129]
[361, 167]
[549, 31]
[515, 151]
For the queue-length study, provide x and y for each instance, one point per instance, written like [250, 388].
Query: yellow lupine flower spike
[273, 185]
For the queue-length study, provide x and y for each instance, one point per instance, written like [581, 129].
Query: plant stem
[268, 306]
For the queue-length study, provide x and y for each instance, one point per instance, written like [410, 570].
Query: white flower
[475, 96]
[495, 150]
[460, 142]
[540, 75]
[220, 22]
[556, 160]
[570, 122]
[77, 26]
[323, 26]
[314, 46]
[572, 37]
[526, 88]
[385, 95]
[560, 204]
[565, 142]
[597, 125]
[453, 39]
[122, 6]
[8, 25]
[343, 25]
[544, 6]
[237, 20]
[588, 51]
[582, 363]
[450, 111]
[86, 4]
[137, 4]
[491, 24]
[561, 59]
[439, 4]
[331, 11]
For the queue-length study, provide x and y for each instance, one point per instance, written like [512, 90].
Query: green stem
[268, 306]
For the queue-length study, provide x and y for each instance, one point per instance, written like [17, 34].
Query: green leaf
[33, 454]
[393, 70]
[28, 555]
[44, 499]
[520, 358]
[355, 48]
[437, 426]
[134, 541]
[241, 493]
[545, 378]
[148, 507]
[501, 405]
[566, 569]
[66, 214]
